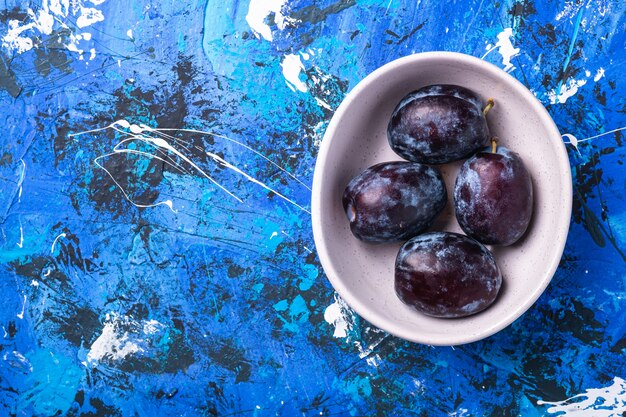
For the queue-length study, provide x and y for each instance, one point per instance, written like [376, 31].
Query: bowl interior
[356, 139]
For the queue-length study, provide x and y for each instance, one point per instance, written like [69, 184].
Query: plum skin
[393, 201]
[493, 197]
[446, 275]
[438, 124]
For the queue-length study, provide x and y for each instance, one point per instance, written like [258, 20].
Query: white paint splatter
[599, 74]
[114, 343]
[34, 283]
[568, 89]
[20, 34]
[250, 178]
[259, 11]
[597, 402]
[292, 67]
[151, 327]
[129, 33]
[569, 10]
[505, 49]
[16, 359]
[163, 143]
[461, 412]
[88, 16]
[122, 336]
[595, 11]
[322, 103]
[60, 7]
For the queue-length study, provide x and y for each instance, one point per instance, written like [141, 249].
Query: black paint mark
[314, 14]
[12, 329]
[81, 327]
[412, 32]
[8, 80]
[168, 395]
[578, 320]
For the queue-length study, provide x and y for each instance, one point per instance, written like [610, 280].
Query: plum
[493, 196]
[439, 124]
[446, 275]
[393, 201]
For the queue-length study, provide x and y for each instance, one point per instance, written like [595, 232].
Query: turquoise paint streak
[53, 384]
[182, 44]
[385, 4]
[570, 50]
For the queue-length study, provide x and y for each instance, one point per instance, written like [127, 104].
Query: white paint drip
[55, 241]
[337, 315]
[20, 244]
[292, 67]
[162, 146]
[505, 49]
[599, 74]
[20, 34]
[594, 402]
[21, 181]
[572, 140]
[259, 11]
[20, 315]
[129, 33]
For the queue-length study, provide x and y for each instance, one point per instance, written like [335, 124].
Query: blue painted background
[156, 253]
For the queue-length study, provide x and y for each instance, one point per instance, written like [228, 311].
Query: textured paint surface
[156, 253]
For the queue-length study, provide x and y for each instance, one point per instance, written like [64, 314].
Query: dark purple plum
[493, 197]
[446, 275]
[393, 201]
[438, 124]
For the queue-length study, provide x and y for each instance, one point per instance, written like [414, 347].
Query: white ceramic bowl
[356, 138]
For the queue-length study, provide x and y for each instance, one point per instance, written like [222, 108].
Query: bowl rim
[562, 226]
